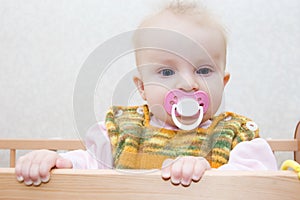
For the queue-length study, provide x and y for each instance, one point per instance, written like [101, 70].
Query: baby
[182, 80]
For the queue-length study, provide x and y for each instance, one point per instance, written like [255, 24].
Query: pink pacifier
[186, 104]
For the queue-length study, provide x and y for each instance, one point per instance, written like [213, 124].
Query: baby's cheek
[215, 98]
[159, 112]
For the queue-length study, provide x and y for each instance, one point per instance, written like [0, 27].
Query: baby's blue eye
[204, 71]
[167, 72]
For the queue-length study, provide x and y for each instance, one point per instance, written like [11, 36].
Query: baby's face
[162, 70]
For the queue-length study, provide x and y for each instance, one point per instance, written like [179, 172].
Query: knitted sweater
[138, 145]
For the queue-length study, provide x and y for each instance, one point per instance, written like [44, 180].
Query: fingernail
[45, 179]
[20, 178]
[175, 181]
[196, 178]
[185, 183]
[28, 182]
[165, 174]
[37, 182]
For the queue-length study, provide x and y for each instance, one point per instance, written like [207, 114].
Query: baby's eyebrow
[164, 63]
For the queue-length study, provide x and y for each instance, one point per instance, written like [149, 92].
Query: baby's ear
[226, 78]
[140, 86]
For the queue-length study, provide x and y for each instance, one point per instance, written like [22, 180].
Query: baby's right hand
[34, 167]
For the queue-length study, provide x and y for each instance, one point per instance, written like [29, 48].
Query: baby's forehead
[163, 56]
[162, 44]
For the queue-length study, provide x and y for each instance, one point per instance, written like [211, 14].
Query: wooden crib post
[297, 137]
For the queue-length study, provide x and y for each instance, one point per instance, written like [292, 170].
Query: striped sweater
[138, 145]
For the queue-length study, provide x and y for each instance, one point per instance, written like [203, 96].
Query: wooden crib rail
[34, 144]
[111, 185]
[292, 145]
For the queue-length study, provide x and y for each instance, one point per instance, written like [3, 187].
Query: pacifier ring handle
[186, 127]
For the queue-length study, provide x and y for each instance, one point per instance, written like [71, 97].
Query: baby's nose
[188, 83]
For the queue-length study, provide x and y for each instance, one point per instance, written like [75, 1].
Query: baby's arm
[98, 154]
[34, 167]
[251, 155]
[184, 170]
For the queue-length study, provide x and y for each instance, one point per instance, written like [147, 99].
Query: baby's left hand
[184, 170]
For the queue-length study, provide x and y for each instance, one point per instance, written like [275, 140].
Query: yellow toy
[291, 164]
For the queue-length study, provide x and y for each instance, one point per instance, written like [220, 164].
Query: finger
[166, 168]
[25, 165]
[20, 178]
[34, 173]
[46, 165]
[62, 163]
[201, 165]
[18, 169]
[40, 158]
[176, 171]
[188, 170]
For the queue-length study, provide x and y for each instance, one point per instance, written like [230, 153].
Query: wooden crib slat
[111, 185]
[12, 158]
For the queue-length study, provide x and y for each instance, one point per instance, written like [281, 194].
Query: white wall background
[43, 44]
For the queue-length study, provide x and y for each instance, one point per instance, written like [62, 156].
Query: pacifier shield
[180, 97]
[184, 104]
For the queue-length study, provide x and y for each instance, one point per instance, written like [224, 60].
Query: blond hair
[192, 8]
[185, 7]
